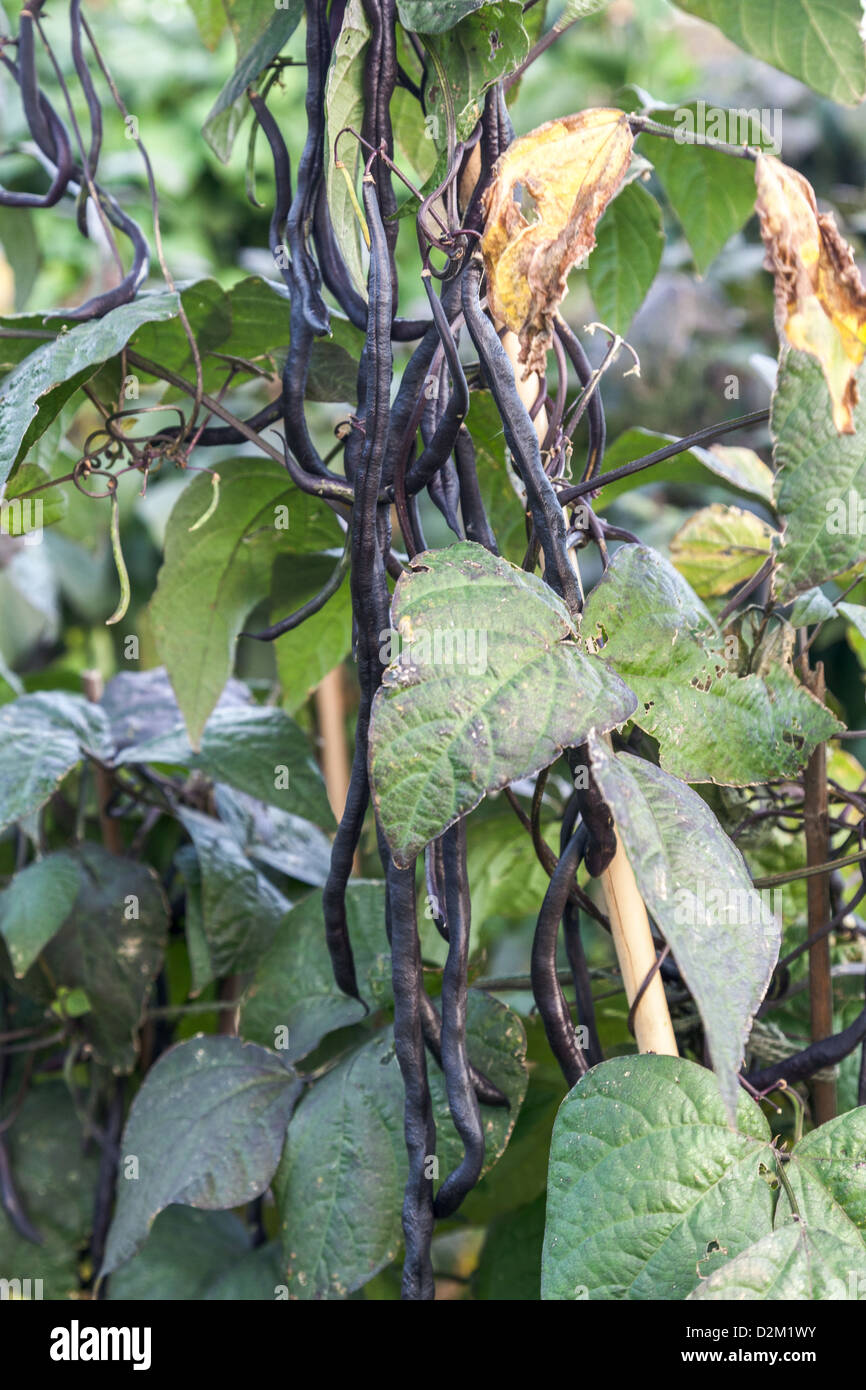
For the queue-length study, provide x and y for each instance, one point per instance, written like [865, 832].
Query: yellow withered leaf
[570, 169]
[820, 296]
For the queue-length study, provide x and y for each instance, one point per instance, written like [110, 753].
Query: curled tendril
[119, 561]
[211, 506]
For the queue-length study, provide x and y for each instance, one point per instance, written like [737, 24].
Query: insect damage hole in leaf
[484, 642]
[571, 168]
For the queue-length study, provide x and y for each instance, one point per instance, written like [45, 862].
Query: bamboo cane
[626, 909]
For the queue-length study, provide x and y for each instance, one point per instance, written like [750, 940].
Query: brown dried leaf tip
[820, 296]
[569, 169]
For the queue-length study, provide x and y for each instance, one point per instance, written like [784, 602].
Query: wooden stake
[817, 828]
[626, 909]
[527, 387]
[330, 711]
[636, 954]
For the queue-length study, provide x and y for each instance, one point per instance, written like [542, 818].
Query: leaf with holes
[794, 1263]
[712, 725]
[435, 16]
[481, 644]
[649, 1186]
[570, 168]
[482, 48]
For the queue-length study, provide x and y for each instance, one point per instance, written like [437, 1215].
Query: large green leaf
[509, 1268]
[239, 909]
[649, 1184]
[185, 1255]
[276, 839]
[480, 49]
[696, 885]
[827, 1173]
[260, 312]
[259, 33]
[306, 654]
[48, 1157]
[627, 254]
[340, 1183]
[818, 41]
[483, 643]
[208, 311]
[721, 547]
[339, 1186]
[141, 706]
[712, 725]
[35, 905]
[38, 388]
[435, 16]
[111, 946]
[42, 738]
[344, 106]
[256, 749]
[205, 1130]
[821, 478]
[214, 576]
[506, 882]
[293, 996]
[711, 194]
[210, 18]
[794, 1263]
[32, 513]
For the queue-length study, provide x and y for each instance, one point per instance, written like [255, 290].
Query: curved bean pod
[419, 1126]
[551, 1003]
[462, 1100]
[522, 440]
